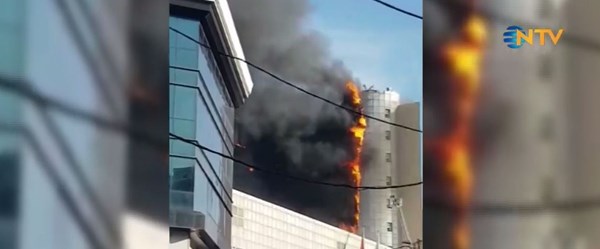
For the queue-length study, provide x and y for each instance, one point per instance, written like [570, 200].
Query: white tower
[376, 206]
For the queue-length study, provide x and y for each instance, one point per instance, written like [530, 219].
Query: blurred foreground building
[55, 165]
[258, 224]
[525, 161]
[582, 172]
[204, 90]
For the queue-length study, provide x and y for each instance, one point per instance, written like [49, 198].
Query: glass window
[388, 157]
[185, 77]
[172, 44]
[184, 128]
[182, 174]
[388, 135]
[171, 100]
[11, 51]
[186, 58]
[11, 11]
[200, 114]
[389, 226]
[172, 53]
[387, 113]
[10, 106]
[181, 148]
[190, 28]
[184, 103]
[388, 180]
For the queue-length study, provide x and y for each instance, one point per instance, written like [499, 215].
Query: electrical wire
[292, 84]
[519, 209]
[398, 9]
[23, 90]
[499, 18]
[263, 169]
[211, 183]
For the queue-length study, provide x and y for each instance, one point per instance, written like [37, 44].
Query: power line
[519, 209]
[211, 168]
[22, 89]
[210, 182]
[499, 18]
[398, 9]
[206, 103]
[292, 84]
[58, 185]
[263, 169]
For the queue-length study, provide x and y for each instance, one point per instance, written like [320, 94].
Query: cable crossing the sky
[278, 78]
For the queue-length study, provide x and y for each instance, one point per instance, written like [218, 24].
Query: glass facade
[11, 66]
[201, 110]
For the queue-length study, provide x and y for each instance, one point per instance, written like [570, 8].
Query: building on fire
[376, 216]
[396, 161]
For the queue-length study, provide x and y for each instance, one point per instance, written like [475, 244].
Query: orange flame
[358, 134]
[464, 57]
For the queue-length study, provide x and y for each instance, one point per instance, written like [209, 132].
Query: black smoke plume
[286, 130]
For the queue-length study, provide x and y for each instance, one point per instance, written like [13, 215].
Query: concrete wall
[258, 224]
[407, 169]
[375, 215]
[582, 95]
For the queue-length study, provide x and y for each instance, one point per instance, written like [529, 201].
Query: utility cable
[24, 90]
[263, 169]
[398, 9]
[292, 84]
[21, 89]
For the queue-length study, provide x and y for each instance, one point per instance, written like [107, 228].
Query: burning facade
[290, 132]
[449, 147]
[357, 132]
[464, 58]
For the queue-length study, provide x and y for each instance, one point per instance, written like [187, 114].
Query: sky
[381, 46]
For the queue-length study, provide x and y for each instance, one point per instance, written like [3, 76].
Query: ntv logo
[515, 36]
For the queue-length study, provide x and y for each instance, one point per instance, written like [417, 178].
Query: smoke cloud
[286, 130]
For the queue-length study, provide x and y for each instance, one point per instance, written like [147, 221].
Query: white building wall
[407, 169]
[258, 224]
[582, 64]
[376, 218]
